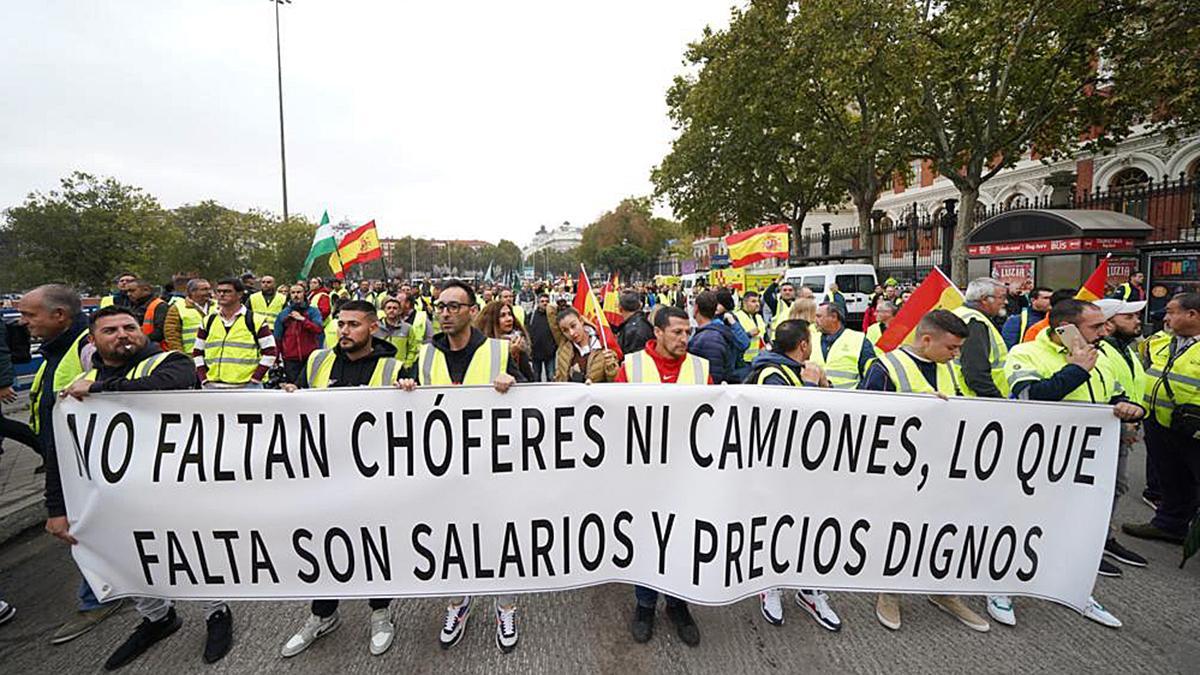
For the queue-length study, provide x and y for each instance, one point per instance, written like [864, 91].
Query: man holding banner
[1063, 364]
[129, 362]
[925, 367]
[358, 360]
[461, 354]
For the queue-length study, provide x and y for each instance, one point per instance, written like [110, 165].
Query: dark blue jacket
[768, 358]
[715, 341]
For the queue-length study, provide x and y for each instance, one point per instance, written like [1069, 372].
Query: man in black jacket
[635, 330]
[125, 360]
[542, 336]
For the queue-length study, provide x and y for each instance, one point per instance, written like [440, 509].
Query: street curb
[21, 519]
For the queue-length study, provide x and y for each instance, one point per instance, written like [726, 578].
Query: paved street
[585, 631]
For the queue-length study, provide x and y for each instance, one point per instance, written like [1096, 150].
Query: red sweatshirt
[668, 369]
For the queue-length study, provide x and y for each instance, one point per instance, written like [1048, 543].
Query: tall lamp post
[279, 74]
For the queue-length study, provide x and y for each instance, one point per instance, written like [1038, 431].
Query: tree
[624, 258]
[855, 60]
[83, 234]
[997, 78]
[284, 246]
[508, 257]
[626, 238]
[748, 150]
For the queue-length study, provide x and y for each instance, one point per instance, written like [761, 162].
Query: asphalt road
[587, 631]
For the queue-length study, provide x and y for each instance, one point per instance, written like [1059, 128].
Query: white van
[855, 281]
[687, 283]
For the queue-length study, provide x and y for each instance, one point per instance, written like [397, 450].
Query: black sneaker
[685, 625]
[1150, 531]
[642, 625]
[220, 635]
[1114, 550]
[144, 637]
[1108, 569]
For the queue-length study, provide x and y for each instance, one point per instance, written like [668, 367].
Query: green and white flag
[323, 255]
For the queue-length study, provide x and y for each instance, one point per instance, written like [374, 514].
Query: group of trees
[799, 105]
[92, 229]
[626, 239]
[419, 257]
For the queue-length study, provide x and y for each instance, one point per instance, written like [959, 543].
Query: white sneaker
[7, 612]
[817, 605]
[455, 624]
[772, 606]
[382, 631]
[314, 628]
[1096, 612]
[506, 628]
[1000, 608]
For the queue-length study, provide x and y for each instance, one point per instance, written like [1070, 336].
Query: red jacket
[300, 338]
[668, 369]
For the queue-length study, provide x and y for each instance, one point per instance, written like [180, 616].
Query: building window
[1128, 192]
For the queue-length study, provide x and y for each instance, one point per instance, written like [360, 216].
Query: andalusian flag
[1093, 288]
[761, 243]
[936, 292]
[323, 255]
[360, 246]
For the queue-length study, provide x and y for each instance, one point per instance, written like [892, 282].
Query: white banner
[707, 493]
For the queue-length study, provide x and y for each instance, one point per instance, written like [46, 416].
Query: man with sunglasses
[461, 354]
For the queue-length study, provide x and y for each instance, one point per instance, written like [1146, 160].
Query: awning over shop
[1055, 231]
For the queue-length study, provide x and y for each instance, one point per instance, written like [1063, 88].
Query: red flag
[1093, 289]
[589, 308]
[935, 292]
[610, 301]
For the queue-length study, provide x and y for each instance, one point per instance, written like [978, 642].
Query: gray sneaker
[314, 629]
[84, 622]
[382, 631]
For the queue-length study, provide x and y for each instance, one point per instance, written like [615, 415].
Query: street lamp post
[279, 75]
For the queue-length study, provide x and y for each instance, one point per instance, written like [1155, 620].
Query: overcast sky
[444, 119]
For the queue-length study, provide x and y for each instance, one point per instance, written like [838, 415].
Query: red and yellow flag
[761, 243]
[1093, 289]
[360, 246]
[611, 300]
[589, 308]
[935, 292]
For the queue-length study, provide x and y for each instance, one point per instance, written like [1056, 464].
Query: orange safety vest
[148, 320]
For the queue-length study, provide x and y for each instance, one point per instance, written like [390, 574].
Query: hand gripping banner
[710, 494]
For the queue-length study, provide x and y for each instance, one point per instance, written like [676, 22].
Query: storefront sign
[1052, 246]
[1014, 272]
[1120, 269]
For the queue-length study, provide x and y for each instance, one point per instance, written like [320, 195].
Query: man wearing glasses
[461, 354]
[232, 350]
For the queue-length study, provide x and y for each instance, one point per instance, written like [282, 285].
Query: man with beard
[358, 360]
[125, 360]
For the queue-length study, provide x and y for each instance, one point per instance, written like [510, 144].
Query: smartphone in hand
[1072, 338]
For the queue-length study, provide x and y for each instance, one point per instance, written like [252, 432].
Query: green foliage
[626, 238]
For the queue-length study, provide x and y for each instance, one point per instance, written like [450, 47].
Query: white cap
[1112, 307]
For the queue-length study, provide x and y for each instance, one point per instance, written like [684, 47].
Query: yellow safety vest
[106, 301]
[320, 365]
[1041, 358]
[190, 320]
[875, 331]
[265, 313]
[997, 350]
[1171, 380]
[750, 323]
[69, 368]
[331, 333]
[841, 363]
[139, 371]
[907, 376]
[1131, 374]
[640, 368]
[487, 363]
[231, 354]
[783, 308]
[787, 374]
[518, 313]
[401, 337]
[315, 301]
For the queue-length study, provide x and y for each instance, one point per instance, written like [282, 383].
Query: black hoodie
[347, 373]
[457, 362]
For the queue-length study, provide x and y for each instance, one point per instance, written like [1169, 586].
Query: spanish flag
[761, 243]
[610, 300]
[935, 292]
[1093, 288]
[360, 246]
[589, 308]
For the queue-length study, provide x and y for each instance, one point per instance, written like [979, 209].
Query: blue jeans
[87, 598]
[648, 597]
[541, 366]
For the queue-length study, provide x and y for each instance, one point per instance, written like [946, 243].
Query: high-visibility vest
[786, 373]
[1130, 373]
[1171, 380]
[783, 308]
[750, 323]
[420, 326]
[315, 301]
[190, 320]
[875, 331]
[231, 354]
[518, 313]
[997, 350]
[1042, 358]
[68, 369]
[907, 376]
[331, 333]
[137, 372]
[148, 319]
[320, 365]
[1024, 322]
[841, 363]
[106, 301]
[487, 364]
[640, 368]
[265, 312]
[397, 336]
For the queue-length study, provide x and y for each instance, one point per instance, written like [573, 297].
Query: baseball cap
[1112, 307]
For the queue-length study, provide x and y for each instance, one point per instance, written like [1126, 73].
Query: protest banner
[707, 493]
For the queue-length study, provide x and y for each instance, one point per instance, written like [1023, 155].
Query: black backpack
[20, 345]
